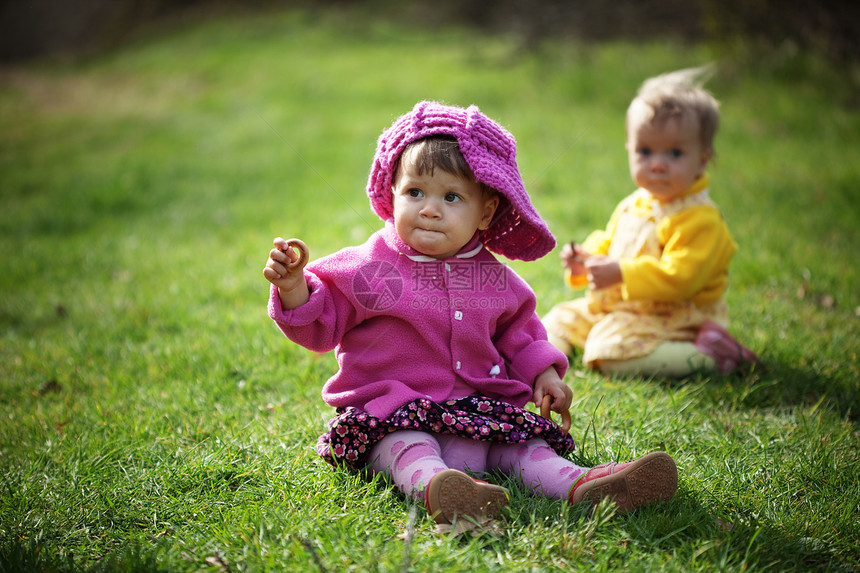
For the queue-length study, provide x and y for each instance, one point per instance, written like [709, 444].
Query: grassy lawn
[152, 418]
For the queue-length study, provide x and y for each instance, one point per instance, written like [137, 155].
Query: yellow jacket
[689, 260]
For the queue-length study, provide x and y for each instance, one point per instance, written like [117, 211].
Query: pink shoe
[451, 495]
[649, 479]
[716, 342]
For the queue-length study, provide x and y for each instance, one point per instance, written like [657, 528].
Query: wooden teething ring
[545, 412]
[303, 252]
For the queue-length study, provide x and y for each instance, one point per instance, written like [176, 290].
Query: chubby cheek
[400, 222]
[405, 221]
[638, 171]
[399, 210]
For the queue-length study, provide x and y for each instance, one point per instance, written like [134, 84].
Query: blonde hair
[676, 95]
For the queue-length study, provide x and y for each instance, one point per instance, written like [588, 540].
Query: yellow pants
[644, 338]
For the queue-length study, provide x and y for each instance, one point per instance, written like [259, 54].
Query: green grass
[153, 419]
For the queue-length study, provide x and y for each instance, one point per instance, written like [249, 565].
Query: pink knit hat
[517, 231]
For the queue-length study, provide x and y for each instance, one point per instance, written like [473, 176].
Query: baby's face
[437, 214]
[667, 157]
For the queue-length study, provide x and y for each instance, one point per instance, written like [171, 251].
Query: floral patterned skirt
[353, 433]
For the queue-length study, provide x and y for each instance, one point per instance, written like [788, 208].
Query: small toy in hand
[573, 260]
[565, 414]
[301, 250]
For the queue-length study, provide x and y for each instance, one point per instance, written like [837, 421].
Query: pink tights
[411, 458]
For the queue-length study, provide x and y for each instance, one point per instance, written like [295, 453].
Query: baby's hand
[573, 258]
[603, 272]
[284, 269]
[548, 383]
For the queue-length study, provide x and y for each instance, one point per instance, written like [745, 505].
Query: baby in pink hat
[438, 344]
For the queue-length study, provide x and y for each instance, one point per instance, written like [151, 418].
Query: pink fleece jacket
[406, 326]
